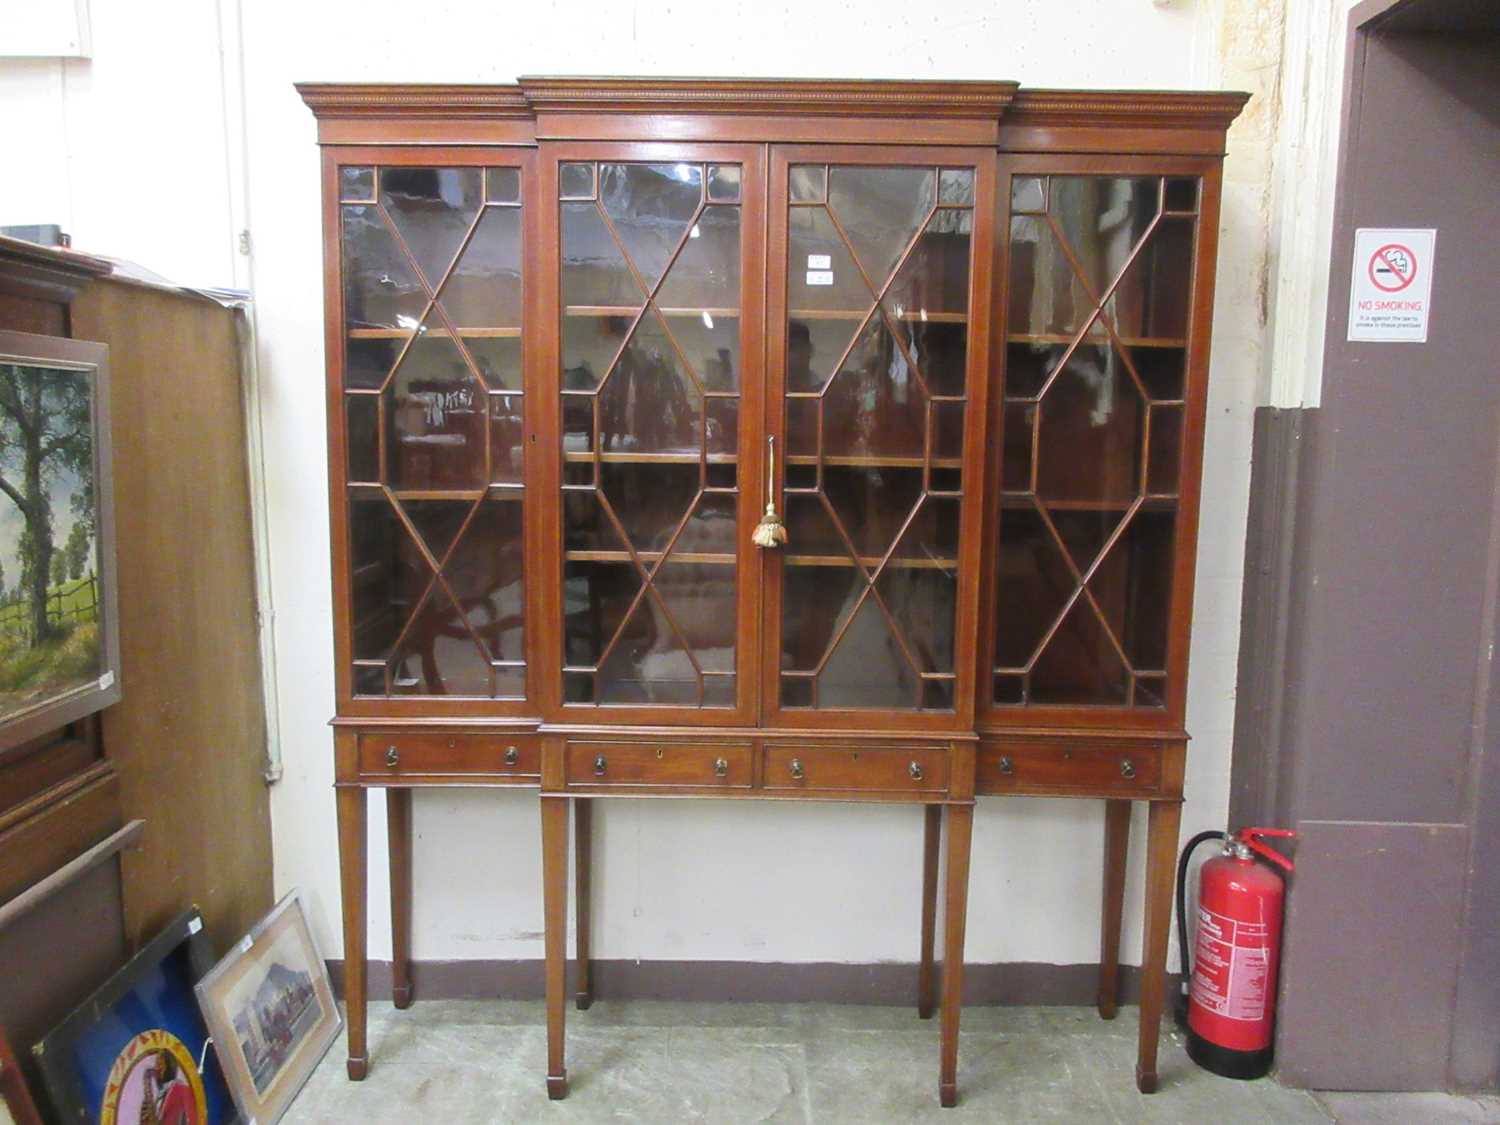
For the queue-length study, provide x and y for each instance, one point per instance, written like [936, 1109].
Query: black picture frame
[97, 1049]
[90, 362]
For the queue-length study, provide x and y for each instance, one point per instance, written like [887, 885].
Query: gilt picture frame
[59, 627]
[270, 1006]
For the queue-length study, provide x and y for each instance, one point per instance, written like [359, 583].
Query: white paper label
[1390, 292]
[820, 261]
[106, 681]
[820, 277]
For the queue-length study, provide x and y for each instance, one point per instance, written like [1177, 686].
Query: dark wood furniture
[583, 333]
[184, 750]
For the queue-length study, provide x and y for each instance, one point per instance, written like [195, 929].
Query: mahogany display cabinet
[778, 440]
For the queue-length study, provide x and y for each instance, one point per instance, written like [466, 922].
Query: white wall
[148, 168]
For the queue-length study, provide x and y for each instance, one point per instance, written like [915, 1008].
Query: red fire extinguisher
[1231, 997]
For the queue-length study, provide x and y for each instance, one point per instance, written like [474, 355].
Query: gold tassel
[770, 532]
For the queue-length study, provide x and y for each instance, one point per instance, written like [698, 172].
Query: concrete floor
[661, 1062]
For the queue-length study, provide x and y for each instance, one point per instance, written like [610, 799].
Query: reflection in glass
[357, 185]
[432, 210]
[436, 585]
[1094, 384]
[502, 185]
[434, 417]
[878, 295]
[651, 294]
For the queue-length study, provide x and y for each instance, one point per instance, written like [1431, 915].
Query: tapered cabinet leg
[398, 832]
[932, 836]
[555, 924]
[1116, 851]
[583, 828]
[353, 849]
[1161, 861]
[955, 908]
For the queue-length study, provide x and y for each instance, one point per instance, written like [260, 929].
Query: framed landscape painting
[270, 1007]
[59, 649]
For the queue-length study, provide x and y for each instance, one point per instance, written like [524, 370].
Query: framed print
[270, 1007]
[16, 1106]
[59, 649]
[137, 1049]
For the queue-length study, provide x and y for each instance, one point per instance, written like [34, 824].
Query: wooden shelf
[651, 458]
[870, 562]
[875, 462]
[632, 310]
[1128, 341]
[860, 314]
[701, 558]
[434, 333]
[1154, 502]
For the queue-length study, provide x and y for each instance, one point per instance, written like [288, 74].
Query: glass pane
[575, 181]
[438, 654]
[485, 573]
[1151, 301]
[1166, 449]
[649, 403]
[368, 360]
[389, 577]
[1100, 303]
[380, 288]
[507, 440]
[881, 209]
[808, 183]
[434, 419]
[502, 185]
[651, 207]
[362, 437]
[357, 185]
[1102, 220]
[1028, 194]
[1092, 425]
[706, 274]
[432, 210]
[649, 572]
[870, 577]
[1181, 195]
[956, 186]
[435, 434]
[868, 668]
[724, 183]
[484, 289]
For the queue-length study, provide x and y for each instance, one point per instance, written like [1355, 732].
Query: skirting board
[753, 981]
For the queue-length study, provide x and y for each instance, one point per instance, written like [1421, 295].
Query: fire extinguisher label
[1231, 968]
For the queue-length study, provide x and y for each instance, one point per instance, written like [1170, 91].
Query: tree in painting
[48, 624]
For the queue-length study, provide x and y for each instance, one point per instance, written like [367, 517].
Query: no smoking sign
[1390, 293]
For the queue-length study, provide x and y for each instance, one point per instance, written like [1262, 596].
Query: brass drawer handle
[796, 769]
[916, 771]
[1006, 765]
[1127, 769]
[721, 767]
[599, 766]
[392, 756]
[512, 755]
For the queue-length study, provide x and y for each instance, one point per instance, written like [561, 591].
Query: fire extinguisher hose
[1180, 1009]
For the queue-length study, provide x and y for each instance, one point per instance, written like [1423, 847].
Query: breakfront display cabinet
[766, 440]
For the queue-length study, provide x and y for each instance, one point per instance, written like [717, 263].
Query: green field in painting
[31, 673]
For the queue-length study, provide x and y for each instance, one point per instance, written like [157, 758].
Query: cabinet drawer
[909, 769]
[658, 765]
[401, 755]
[1065, 766]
